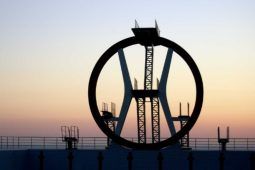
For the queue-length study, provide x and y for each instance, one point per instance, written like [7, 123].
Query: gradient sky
[49, 48]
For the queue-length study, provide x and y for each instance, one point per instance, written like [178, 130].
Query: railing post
[43, 142]
[195, 143]
[100, 159]
[94, 143]
[70, 160]
[234, 141]
[13, 145]
[190, 159]
[31, 142]
[221, 161]
[18, 142]
[41, 160]
[130, 159]
[82, 142]
[208, 142]
[56, 142]
[160, 161]
[247, 144]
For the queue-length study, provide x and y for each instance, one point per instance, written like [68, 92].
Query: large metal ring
[93, 100]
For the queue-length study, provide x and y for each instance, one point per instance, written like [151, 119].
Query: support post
[160, 161]
[221, 161]
[130, 159]
[100, 159]
[70, 160]
[190, 159]
[41, 160]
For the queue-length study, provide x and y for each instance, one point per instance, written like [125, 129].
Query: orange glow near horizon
[46, 58]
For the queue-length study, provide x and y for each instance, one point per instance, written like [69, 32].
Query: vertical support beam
[130, 159]
[100, 159]
[183, 120]
[70, 160]
[190, 159]
[41, 160]
[127, 94]
[221, 161]
[160, 159]
[141, 120]
[155, 120]
[162, 91]
[148, 72]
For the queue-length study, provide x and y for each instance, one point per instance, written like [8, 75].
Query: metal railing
[22, 143]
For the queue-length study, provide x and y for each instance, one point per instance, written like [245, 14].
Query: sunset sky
[49, 48]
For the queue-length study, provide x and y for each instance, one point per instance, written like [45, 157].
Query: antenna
[228, 132]
[188, 108]
[135, 84]
[156, 26]
[180, 108]
[113, 109]
[157, 83]
[136, 24]
[104, 106]
[218, 132]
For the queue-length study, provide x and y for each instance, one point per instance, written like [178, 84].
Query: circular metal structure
[93, 100]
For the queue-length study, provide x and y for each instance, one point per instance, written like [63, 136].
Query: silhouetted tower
[70, 135]
[145, 37]
[223, 141]
[183, 120]
[109, 117]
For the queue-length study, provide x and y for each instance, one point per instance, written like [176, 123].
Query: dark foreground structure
[92, 153]
[124, 159]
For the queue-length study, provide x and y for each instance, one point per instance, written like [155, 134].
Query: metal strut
[183, 120]
[141, 121]
[154, 102]
[155, 120]
[147, 37]
[148, 73]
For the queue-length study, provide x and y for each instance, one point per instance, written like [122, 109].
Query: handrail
[94, 143]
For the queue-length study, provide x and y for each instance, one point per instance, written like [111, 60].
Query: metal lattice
[155, 120]
[141, 120]
[148, 73]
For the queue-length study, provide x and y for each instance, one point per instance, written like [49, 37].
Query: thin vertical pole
[160, 161]
[130, 159]
[70, 160]
[100, 159]
[41, 160]
[190, 159]
[221, 161]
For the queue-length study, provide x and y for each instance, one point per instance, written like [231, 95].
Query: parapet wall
[122, 159]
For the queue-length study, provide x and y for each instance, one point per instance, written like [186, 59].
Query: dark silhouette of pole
[70, 160]
[190, 159]
[41, 160]
[100, 159]
[160, 161]
[252, 161]
[221, 161]
[130, 159]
